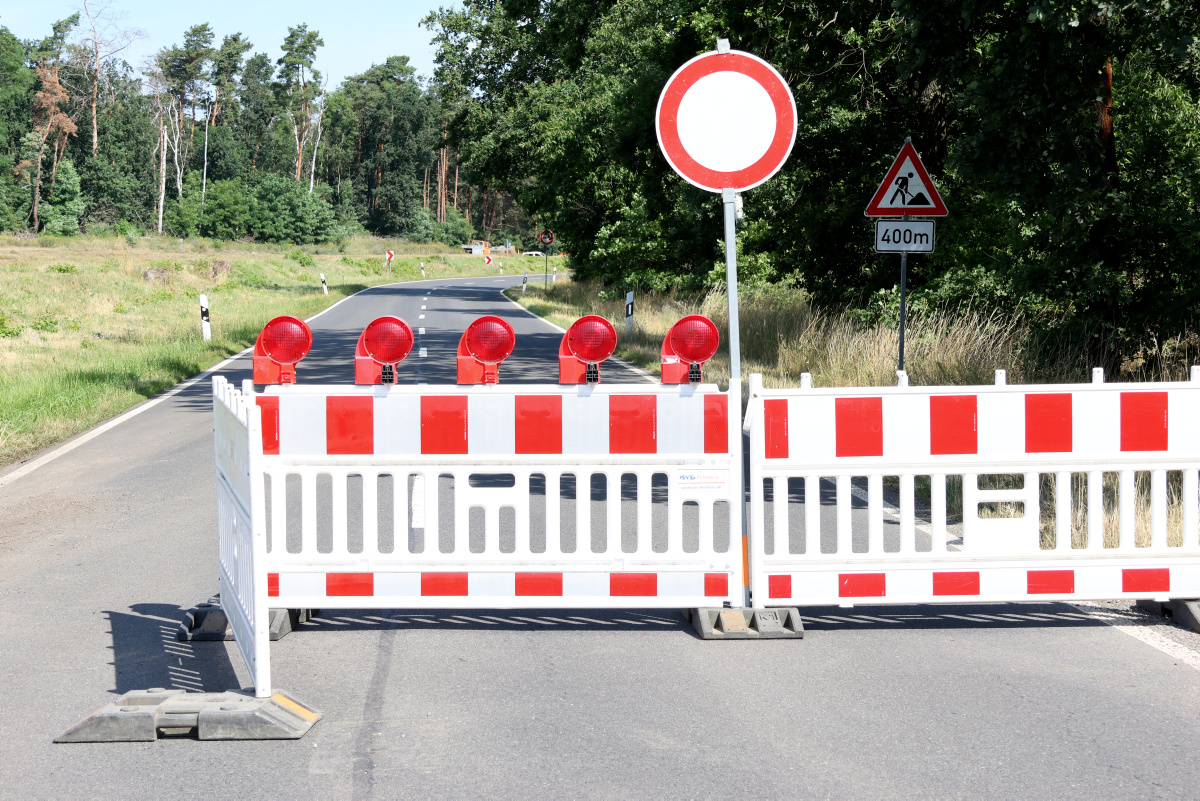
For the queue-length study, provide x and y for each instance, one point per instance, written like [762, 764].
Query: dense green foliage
[214, 140]
[1006, 101]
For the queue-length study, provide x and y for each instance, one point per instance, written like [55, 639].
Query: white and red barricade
[476, 496]
[831, 533]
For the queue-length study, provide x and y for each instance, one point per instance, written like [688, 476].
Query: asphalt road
[103, 550]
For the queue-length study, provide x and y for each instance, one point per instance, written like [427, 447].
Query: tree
[299, 84]
[186, 70]
[49, 120]
[226, 66]
[104, 40]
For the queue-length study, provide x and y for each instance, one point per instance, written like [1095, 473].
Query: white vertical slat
[1063, 524]
[908, 518]
[613, 503]
[645, 509]
[308, 511]
[843, 516]
[1128, 509]
[278, 512]
[1158, 510]
[812, 516]
[1095, 510]
[937, 510]
[1190, 501]
[370, 511]
[875, 515]
[553, 513]
[340, 509]
[780, 518]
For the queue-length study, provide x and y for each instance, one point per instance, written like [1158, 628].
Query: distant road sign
[726, 120]
[907, 189]
[904, 236]
[390, 255]
[546, 237]
[487, 259]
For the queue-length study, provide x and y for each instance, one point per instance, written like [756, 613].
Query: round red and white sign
[546, 237]
[726, 121]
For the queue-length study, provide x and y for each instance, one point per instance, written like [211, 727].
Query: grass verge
[91, 326]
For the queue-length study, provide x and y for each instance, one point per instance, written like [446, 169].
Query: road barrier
[1026, 492]
[474, 496]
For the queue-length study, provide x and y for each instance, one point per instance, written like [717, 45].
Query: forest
[1063, 136]
[212, 139]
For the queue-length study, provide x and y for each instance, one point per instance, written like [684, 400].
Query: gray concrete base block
[142, 715]
[746, 624]
[207, 622]
[1184, 612]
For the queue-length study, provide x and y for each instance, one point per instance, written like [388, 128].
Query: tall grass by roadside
[90, 326]
[783, 336]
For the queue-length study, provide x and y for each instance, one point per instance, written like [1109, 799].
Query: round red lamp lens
[694, 339]
[286, 340]
[388, 340]
[592, 339]
[490, 340]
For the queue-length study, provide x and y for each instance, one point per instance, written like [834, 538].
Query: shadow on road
[493, 620]
[146, 653]
[981, 616]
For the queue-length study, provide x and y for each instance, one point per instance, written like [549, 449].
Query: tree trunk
[37, 182]
[162, 174]
[95, 91]
[204, 179]
[1104, 111]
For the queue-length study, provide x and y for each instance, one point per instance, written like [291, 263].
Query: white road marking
[423, 353]
[421, 331]
[422, 317]
[422, 307]
[1142, 631]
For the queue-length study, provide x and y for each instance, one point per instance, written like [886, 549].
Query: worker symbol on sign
[907, 189]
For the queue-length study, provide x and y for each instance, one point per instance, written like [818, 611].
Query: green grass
[85, 333]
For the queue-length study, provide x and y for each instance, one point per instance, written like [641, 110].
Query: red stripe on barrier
[862, 585]
[272, 585]
[859, 425]
[964, 582]
[539, 584]
[443, 424]
[775, 428]
[716, 585]
[538, 424]
[953, 424]
[1146, 579]
[632, 424]
[1143, 421]
[779, 586]
[350, 425]
[349, 584]
[716, 424]
[1046, 582]
[626, 584]
[270, 424]
[443, 583]
[1048, 423]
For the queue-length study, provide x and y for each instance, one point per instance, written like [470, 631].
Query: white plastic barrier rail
[486, 496]
[990, 493]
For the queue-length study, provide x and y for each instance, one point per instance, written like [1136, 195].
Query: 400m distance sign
[904, 236]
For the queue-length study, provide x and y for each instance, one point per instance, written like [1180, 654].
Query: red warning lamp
[383, 344]
[486, 342]
[589, 341]
[280, 345]
[688, 345]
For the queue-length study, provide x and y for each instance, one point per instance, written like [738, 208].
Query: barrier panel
[989, 493]
[481, 496]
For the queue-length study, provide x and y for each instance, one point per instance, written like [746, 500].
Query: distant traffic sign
[390, 255]
[907, 189]
[904, 236]
[546, 237]
[726, 120]
[487, 259]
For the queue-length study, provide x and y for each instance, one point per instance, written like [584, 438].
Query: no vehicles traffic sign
[726, 120]
[546, 237]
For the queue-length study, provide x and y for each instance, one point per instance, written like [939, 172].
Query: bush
[300, 257]
[283, 210]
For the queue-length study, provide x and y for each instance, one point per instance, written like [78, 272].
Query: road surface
[103, 550]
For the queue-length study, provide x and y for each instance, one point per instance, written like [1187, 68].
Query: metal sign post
[726, 122]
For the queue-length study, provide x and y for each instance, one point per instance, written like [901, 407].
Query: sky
[357, 34]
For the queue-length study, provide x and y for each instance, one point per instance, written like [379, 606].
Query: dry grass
[84, 334]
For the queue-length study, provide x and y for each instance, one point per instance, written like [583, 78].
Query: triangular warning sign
[907, 189]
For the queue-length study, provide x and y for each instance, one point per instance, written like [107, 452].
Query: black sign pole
[903, 293]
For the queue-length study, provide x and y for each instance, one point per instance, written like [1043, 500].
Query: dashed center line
[422, 317]
[423, 353]
[421, 331]
[422, 307]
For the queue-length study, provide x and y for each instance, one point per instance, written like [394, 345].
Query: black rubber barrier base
[144, 715]
[746, 624]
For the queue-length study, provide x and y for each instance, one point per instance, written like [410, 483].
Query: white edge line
[653, 379]
[146, 405]
[1144, 632]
